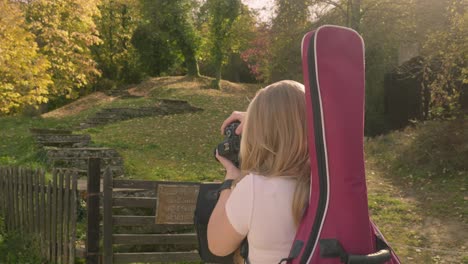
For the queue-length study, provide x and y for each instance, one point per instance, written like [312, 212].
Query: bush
[16, 248]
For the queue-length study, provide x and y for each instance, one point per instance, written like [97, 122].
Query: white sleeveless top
[261, 208]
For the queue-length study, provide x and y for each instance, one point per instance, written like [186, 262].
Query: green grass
[16, 248]
[417, 177]
[429, 161]
[16, 144]
[174, 147]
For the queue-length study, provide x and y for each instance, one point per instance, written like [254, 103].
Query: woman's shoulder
[254, 181]
[251, 179]
[246, 181]
[257, 177]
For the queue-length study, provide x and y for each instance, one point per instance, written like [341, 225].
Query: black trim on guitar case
[320, 152]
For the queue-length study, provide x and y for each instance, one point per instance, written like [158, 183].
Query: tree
[115, 55]
[349, 9]
[64, 31]
[445, 55]
[257, 55]
[157, 55]
[239, 38]
[243, 32]
[222, 14]
[436, 27]
[288, 27]
[24, 80]
[383, 24]
[174, 19]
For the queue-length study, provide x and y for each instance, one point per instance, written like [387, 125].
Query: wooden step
[37, 131]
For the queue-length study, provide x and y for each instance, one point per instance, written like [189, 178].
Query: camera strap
[244, 251]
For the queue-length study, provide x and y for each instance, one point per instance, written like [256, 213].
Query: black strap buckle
[332, 248]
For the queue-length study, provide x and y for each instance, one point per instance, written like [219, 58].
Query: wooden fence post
[2, 192]
[74, 200]
[53, 226]
[34, 175]
[30, 201]
[15, 202]
[10, 200]
[19, 182]
[66, 221]
[49, 222]
[24, 199]
[92, 236]
[107, 221]
[43, 211]
[37, 205]
[60, 217]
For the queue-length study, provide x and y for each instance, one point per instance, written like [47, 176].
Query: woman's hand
[235, 116]
[232, 172]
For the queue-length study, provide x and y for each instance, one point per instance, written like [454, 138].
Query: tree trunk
[192, 65]
[190, 59]
[355, 16]
[464, 98]
[348, 13]
[216, 84]
[188, 51]
[218, 62]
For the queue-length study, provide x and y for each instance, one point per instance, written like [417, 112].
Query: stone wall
[57, 140]
[63, 149]
[163, 107]
[77, 159]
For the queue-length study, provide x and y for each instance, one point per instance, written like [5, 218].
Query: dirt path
[413, 227]
[80, 105]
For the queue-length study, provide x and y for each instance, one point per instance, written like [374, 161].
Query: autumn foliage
[53, 51]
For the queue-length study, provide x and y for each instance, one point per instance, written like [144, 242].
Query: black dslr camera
[230, 147]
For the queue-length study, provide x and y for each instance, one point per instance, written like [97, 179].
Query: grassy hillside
[417, 178]
[177, 147]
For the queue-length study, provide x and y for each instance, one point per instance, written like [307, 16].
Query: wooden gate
[148, 221]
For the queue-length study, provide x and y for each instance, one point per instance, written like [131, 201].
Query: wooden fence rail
[122, 199]
[45, 209]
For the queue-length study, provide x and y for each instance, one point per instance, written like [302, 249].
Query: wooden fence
[45, 209]
[140, 221]
[134, 217]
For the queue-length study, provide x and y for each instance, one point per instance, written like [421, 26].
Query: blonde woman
[268, 201]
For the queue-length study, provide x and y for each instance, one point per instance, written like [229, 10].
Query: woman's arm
[223, 239]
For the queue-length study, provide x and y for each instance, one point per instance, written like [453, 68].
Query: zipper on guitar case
[320, 154]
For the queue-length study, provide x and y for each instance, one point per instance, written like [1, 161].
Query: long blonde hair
[274, 138]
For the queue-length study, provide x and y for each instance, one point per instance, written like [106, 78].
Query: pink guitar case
[336, 227]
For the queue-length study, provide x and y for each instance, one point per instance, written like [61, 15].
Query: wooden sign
[176, 203]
